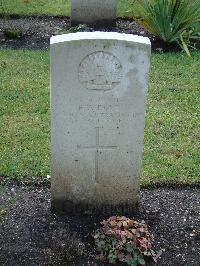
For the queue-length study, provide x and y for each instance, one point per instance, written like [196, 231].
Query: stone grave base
[69, 207]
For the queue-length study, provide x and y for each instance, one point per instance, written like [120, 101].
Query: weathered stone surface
[98, 102]
[93, 12]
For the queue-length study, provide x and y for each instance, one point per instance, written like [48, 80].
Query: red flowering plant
[121, 239]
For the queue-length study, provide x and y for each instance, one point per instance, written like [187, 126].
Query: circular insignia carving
[100, 71]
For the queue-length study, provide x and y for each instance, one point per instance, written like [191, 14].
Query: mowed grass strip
[171, 152]
[52, 7]
[25, 115]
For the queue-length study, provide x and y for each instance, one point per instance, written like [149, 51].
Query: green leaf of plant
[185, 46]
[129, 248]
[133, 262]
[141, 261]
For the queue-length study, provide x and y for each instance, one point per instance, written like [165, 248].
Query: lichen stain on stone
[132, 59]
[132, 77]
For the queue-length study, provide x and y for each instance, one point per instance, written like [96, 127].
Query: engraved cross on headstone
[97, 148]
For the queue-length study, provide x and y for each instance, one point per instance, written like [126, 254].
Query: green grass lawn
[51, 7]
[171, 153]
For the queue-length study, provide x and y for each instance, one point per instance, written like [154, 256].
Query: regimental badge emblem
[100, 71]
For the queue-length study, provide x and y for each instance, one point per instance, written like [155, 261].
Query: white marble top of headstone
[99, 35]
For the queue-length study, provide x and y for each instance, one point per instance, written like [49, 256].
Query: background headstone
[98, 103]
[93, 12]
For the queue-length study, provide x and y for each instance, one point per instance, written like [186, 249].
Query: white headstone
[93, 12]
[98, 102]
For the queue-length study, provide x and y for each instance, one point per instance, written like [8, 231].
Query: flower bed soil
[30, 234]
[36, 32]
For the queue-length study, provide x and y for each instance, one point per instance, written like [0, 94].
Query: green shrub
[12, 33]
[124, 240]
[171, 20]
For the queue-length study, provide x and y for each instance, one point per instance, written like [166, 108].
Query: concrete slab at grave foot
[98, 103]
[93, 12]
